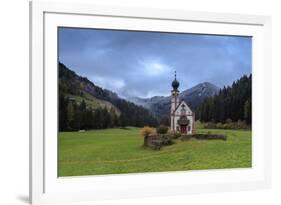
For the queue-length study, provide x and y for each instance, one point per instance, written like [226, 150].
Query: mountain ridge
[194, 96]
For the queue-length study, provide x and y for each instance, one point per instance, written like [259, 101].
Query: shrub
[199, 125]
[242, 125]
[228, 121]
[226, 126]
[146, 131]
[162, 129]
[176, 135]
[167, 139]
[219, 125]
[210, 125]
[229, 124]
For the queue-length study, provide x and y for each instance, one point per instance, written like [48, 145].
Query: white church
[182, 117]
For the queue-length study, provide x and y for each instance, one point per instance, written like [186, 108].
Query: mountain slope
[78, 89]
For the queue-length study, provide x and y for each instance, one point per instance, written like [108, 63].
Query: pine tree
[247, 112]
[63, 102]
[70, 115]
[83, 112]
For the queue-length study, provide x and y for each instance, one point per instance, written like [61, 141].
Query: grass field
[115, 151]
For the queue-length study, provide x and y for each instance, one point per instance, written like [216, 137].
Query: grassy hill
[113, 151]
[92, 102]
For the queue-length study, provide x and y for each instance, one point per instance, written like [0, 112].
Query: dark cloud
[143, 63]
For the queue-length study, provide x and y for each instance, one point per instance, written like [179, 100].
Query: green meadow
[116, 151]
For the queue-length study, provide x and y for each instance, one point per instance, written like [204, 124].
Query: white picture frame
[46, 187]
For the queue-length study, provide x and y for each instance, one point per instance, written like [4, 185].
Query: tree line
[76, 116]
[231, 103]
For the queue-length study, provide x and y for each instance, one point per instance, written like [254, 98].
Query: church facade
[182, 117]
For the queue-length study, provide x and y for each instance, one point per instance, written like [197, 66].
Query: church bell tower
[174, 101]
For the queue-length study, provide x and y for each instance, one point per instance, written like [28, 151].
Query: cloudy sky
[143, 63]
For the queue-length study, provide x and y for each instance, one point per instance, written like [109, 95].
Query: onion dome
[175, 83]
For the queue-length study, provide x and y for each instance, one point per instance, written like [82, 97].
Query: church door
[183, 129]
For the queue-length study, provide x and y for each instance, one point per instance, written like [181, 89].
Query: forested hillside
[84, 105]
[231, 103]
